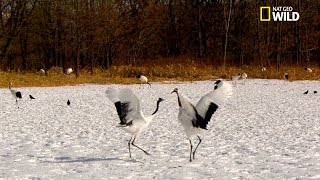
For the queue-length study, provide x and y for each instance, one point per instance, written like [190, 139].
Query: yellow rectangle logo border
[269, 13]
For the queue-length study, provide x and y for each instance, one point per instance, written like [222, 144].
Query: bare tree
[100, 33]
[227, 18]
[14, 16]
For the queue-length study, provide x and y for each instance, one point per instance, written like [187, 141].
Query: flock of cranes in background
[194, 119]
[18, 95]
[44, 72]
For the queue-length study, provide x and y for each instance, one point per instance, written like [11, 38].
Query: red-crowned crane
[129, 111]
[69, 71]
[16, 94]
[142, 79]
[244, 76]
[194, 119]
[286, 76]
[309, 70]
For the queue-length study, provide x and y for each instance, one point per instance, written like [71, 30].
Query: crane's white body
[69, 71]
[138, 125]
[244, 76]
[235, 78]
[143, 79]
[309, 70]
[42, 71]
[185, 116]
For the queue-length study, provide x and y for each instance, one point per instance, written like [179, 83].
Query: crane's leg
[190, 150]
[138, 146]
[149, 84]
[129, 147]
[194, 152]
[17, 103]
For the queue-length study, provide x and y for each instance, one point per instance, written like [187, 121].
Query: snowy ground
[267, 130]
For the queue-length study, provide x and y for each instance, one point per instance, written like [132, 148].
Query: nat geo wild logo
[279, 13]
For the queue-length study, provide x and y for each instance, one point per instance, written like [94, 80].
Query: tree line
[38, 34]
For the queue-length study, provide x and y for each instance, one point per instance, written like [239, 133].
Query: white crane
[309, 70]
[16, 94]
[42, 72]
[264, 69]
[129, 111]
[69, 71]
[235, 78]
[143, 79]
[195, 119]
[286, 76]
[244, 76]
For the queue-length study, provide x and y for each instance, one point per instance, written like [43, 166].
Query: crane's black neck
[178, 98]
[158, 102]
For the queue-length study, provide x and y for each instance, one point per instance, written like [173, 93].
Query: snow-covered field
[267, 130]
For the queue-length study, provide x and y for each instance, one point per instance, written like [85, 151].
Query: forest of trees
[92, 34]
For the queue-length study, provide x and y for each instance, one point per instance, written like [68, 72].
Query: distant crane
[244, 76]
[16, 94]
[69, 71]
[308, 70]
[286, 76]
[235, 78]
[42, 72]
[143, 79]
